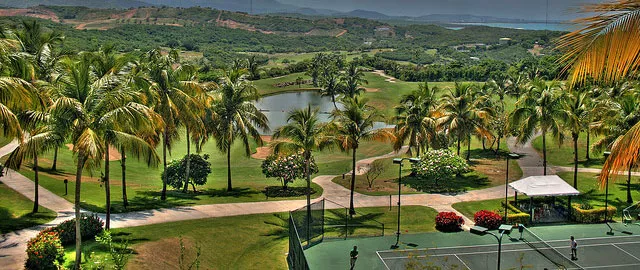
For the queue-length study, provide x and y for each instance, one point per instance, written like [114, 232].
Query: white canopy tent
[544, 185]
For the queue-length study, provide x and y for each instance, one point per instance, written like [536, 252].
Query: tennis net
[546, 250]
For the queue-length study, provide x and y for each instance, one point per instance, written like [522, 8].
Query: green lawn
[563, 155]
[144, 183]
[468, 209]
[15, 211]
[239, 242]
[267, 86]
[4, 140]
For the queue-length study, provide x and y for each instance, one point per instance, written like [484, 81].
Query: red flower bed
[487, 219]
[448, 222]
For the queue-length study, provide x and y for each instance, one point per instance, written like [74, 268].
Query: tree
[253, 67]
[439, 164]
[299, 81]
[575, 103]
[415, 119]
[540, 109]
[463, 114]
[351, 126]
[235, 116]
[352, 80]
[330, 83]
[200, 169]
[99, 113]
[289, 168]
[315, 68]
[170, 97]
[376, 168]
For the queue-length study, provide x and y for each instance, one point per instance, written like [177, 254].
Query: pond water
[277, 107]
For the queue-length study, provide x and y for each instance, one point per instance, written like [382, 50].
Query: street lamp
[504, 228]
[506, 185]
[606, 196]
[399, 162]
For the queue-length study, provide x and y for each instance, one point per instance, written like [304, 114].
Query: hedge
[519, 218]
[594, 215]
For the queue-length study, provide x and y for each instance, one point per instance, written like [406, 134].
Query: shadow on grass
[591, 162]
[9, 223]
[454, 185]
[487, 154]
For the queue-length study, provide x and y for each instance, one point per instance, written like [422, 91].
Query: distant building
[384, 31]
[468, 47]
[505, 41]
[474, 58]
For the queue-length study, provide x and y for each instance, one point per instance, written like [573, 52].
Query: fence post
[346, 223]
[389, 202]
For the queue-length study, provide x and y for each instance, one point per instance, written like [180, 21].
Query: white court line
[611, 266]
[626, 252]
[383, 262]
[465, 265]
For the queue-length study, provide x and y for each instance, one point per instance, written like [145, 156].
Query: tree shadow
[9, 223]
[235, 192]
[488, 154]
[336, 220]
[591, 162]
[453, 185]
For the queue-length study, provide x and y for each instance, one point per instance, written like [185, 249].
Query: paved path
[13, 245]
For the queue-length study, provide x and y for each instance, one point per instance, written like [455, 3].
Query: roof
[547, 185]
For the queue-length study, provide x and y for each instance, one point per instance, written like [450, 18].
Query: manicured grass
[239, 242]
[277, 58]
[4, 140]
[562, 155]
[468, 209]
[15, 211]
[267, 86]
[144, 183]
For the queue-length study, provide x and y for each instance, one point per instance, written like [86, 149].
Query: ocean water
[528, 26]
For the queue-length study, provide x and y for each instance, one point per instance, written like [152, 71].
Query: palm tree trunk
[544, 152]
[629, 199]
[80, 165]
[306, 172]
[229, 187]
[163, 196]
[107, 188]
[469, 149]
[483, 145]
[352, 210]
[54, 167]
[458, 151]
[498, 146]
[333, 99]
[588, 138]
[186, 177]
[123, 165]
[575, 161]
[35, 194]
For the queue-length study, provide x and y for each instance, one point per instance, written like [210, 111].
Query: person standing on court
[574, 249]
[354, 256]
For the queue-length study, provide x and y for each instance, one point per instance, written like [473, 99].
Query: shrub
[448, 222]
[91, 225]
[519, 218]
[287, 168]
[487, 219]
[440, 164]
[594, 215]
[199, 170]
[44, 251]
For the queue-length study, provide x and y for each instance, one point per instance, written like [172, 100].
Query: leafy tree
[439, 164]
[288, 168]
[354, 124]
[200, 170]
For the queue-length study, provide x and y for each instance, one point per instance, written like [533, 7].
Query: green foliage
[593, 215]
[119, 253]
[90, 225]
[439, 164]
[199, 170]
[287, 168]
[44, 252]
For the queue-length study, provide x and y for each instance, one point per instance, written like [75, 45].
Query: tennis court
[601, 253]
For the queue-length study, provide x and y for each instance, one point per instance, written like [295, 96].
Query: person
[574, 249]
[354, 256]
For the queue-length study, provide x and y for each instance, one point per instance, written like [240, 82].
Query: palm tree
[352, 79]
[234, 115]
[99, 113]
[575, 103]
[315, 68]
[540, 109]
[330, 83]
[415, 119]
[463, 114]
[173, 99]
[354, 124]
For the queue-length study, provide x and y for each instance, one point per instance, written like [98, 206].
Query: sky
[523, 9]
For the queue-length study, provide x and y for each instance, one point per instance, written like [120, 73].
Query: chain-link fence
[310, 223]
[296, 258]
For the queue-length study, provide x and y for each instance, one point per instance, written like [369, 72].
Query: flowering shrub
[448, 222]
[91, 225]
[440, 164]
[287, 168]
[44, 251]
[487, 219]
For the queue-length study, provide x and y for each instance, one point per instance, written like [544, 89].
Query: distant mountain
[255, 6]
[366, 14]
[85, 3]
[460, 18]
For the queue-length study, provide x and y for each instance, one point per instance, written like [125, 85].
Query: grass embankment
[15, 211]
[240, 242]
[562, 155]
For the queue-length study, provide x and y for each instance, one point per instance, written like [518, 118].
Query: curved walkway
[13, 245]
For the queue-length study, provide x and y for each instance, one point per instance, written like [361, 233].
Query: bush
[448, 222]
[440, 164]
[44, 251]
[487, 219]
[519, 218]
[287, 168]
[91, 225]
[594, 215]
[199, 170]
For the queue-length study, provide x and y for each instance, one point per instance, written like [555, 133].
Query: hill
[119, 4]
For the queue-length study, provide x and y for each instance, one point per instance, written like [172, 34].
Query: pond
[277, 107]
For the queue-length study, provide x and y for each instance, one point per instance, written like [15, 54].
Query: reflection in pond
[277, 107]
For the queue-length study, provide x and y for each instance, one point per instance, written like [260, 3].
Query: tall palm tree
[576, 110]
[352, 79]
[330, 83]
[235, 116]
[99, 113]
[463, 114]
[540, 109]
[415, 119]
[354, 124]
[171, 98]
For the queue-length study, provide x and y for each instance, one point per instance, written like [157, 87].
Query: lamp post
[504, 228]
[506, 185]
[399, 162]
